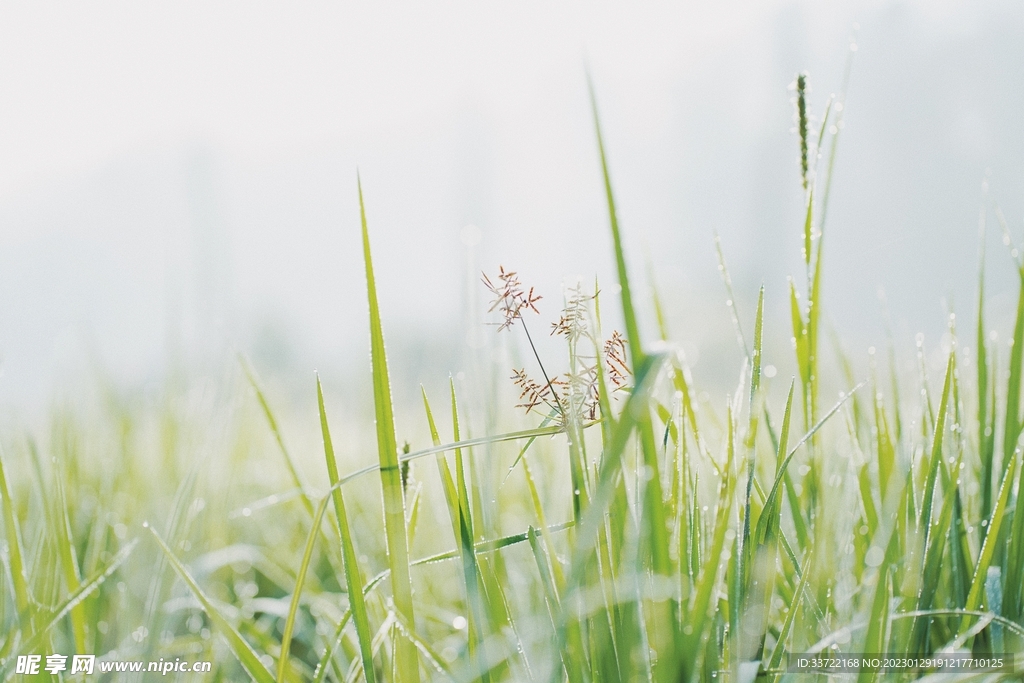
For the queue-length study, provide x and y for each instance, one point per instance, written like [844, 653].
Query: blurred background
[178, 181]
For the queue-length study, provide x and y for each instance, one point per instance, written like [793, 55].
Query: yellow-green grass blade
[751, 437]
[932, 564]
[813, 324]
[353, 574]
[268, 413]
[654, 523]
[800, 340]
[241, 648]
[698, 624]
[628, 311]
[787, 626]
[390, 473]
[885, 451]
[300, 580]
[935, 460]
[877, 637]
[470, 568]
[986, 440]
[1012, 424]
[1012, 597]
[769, 522]
[69, 560]
[451, 494]
[975, 598]
[15, 554]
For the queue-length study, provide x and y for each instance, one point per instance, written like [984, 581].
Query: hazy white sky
[181, 165]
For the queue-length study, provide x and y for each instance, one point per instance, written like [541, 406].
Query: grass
[621, 528]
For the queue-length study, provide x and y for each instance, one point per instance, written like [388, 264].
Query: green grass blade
[986, 440]
[628, 312]
[1012, 425]
[300, 580]
[975, 598]
[472, 577]
[876, 640]
[241, 648]
[69, 560]
[769, 522]
[935, 461]
[1012, 590]
[353, 574]
[390, 473]
[698, 624]
[14, 549]
[787, 627]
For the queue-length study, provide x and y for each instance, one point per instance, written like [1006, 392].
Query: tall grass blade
[628, 312]
[976, 596]
[15, 553]
[1012, 424]
[390, 473]
[935, 460]
[353, 574]
[241, 648]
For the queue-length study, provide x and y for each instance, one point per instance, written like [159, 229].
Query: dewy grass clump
[648, 536]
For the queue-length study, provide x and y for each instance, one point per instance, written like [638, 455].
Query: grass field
[630, 531]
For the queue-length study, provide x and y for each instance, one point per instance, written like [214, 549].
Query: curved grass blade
[988, 548]
[241, 648]
[300, 580]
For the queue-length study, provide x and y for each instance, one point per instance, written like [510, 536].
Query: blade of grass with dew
[698, 625]
[932, 562]
[460, 509]
[69, 560]
[15, 555]
[750, 444]
[770, 521]
[246, 656]
[1012, 425]
[877, 637]
[654, 524]
[935, 460]
[975, 597]
[390, 474]
[300, 580]
[787, 626]
[353, 574]
[1012, 597]
[986, 440]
